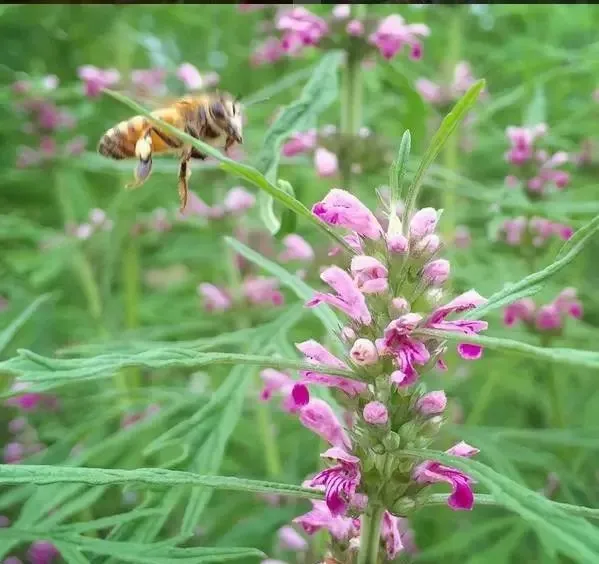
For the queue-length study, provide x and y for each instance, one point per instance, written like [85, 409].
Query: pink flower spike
[370, 275]
[339, 207]
[215, 299]
[364, 352]
[432, 403]
[238, 200]
[349, 299]
[325, 162]
[340, 481]
[190, 76]
[375, 413]
[321, 419]
[290, 539]
[340, 528]
[296, 248]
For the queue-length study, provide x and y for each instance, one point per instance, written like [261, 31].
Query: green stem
[451, 149]
[370, 534]
[558, 412]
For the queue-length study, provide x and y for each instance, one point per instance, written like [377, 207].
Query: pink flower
[370, 275]
[190, 76]
[430, 91]
[149, 80]
[392, 33]
[391, 534]
[548, 318]
[462, 79]
[276, 382]
[423, 223]
[355, 28]
[325, 162]
[364, 352]
[261, 290]
[268, 52]
[290, 539]
[375, 413]
[461, 237]
[432, 403]
[42, 552]
[301, 28]
[75, 146]
[340, 481]
[568, 303]
[520, 310]
[348, 297]
[341, 11]
[300, 143]
[315, 353]
[321, 419]
[296, 248]
[215, 299]
[96, 79]
[341, 528]
[398, 244]
[462, 496]
[238, 200]
[465, 302]
[522, 139]
[13, 453]
[342, 208]
[196, 206]
[436, 272]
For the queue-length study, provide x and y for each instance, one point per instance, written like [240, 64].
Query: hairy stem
[370, 534]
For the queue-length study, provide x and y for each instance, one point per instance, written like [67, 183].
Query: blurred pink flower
[190, 76]
[76, 146]
[290, 539]
[430, 91]
[96, 79]
[149, 80]
[300, 28]
[42, 552]
[300, 143]
[392, 33]
[325, 162]
[267, 52]
[261, 290]
[355, 28]
[238, 200]
[375, 413]
[296, 248]
[215, 299]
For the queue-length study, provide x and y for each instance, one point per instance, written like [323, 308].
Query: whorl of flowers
[443, 95]
[534, 168]
[534, 231]
[298, 28]
[548, 318]
[391, 296]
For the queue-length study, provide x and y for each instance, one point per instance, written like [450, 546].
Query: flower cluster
[143, 81]
[48, 125]
[255, 290]
[535, 230]
[548, 318]
[391, 293]
[236, 202]
[97, 222]
[443, 95]
[298, 29]
[534, 168]
[365, 153]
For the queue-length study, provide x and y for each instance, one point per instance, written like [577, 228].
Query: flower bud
[355, 27]
[397, 244]
[325, 162]
[364, 353]
[375, 413]
[423, 223]
[348, 334]
[403, 506]
[401, 305]
[432, 403]
[428, 246]
[436, 272]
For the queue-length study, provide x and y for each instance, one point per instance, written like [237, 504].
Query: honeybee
[215, 118]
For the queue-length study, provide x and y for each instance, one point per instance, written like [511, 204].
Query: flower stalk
[370, 534]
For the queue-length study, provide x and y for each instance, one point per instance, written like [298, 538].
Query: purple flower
[370, 275]
[300, 28]
[436, 272]
[340, 528]
[96, 79]
[391, 534]
[261, 290]
[430, 91]
[268, 52]
[238, 200]
[432, 403]
[423, 223]
[340, 481]
[300, 143]
[520, 310]
[190, 76]
[276, 382]
[342, 208]
[315, 353]
[149, 80]
[392, 33]
[42, 552]
[325, 162]
[321, 419]
[348, 297]
[215, 298]
[296, 248]
[364, 352]
[462, 496]
[375, 413]
[548, 318]
[290, 539]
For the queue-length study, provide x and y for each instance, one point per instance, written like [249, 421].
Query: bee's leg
[184, 174]
[195, 154]
[228, 144]
[143, 151]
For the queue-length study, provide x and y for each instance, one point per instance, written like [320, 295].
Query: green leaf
[396, 177]
[560, 525]
[536, 111]
[570, 357]
[31, 367]
[246, 172]
[8, 334]
[40, 475]
[448, 126]
[318, 94]
[534, 282]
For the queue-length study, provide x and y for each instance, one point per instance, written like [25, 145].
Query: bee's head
[226, 112]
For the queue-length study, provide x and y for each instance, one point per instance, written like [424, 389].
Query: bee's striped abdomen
[119, 141]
